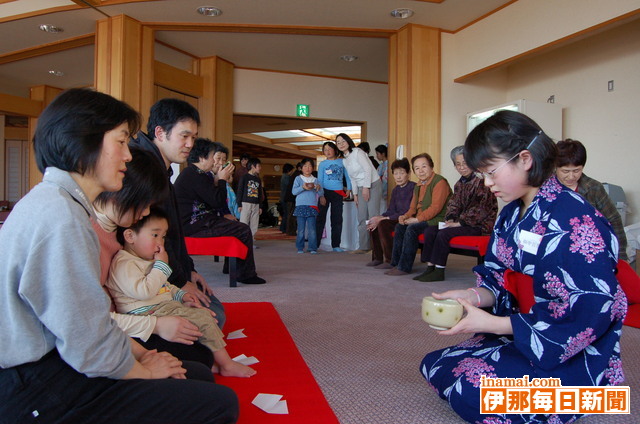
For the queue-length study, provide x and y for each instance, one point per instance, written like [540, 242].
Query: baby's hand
[161, 255]
[189, 300]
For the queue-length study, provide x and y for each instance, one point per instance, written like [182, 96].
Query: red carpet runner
[281, 369]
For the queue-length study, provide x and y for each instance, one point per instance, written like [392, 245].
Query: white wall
[528, 24]
[577, 74]
[274, 93]
[459, 99]
[607, 123]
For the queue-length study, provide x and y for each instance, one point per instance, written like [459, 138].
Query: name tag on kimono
[529, 241]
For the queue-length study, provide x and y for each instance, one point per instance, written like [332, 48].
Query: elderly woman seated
[471, 212]
[430, 196]
[572, 156]
[381, 227]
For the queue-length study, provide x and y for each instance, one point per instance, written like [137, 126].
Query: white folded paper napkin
[271, 403]
[238, 334]
[245, 360]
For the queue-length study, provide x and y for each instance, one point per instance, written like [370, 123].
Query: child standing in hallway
[307, 190]
[250, 195]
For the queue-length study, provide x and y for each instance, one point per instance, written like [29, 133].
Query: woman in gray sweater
[63, 358]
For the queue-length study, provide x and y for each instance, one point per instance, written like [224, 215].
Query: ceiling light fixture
[209, 11]
[56, 73]
[402, 13]
[50, 28]
[349, 58]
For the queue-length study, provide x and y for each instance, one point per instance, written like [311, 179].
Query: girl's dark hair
[144, 183]
[349, 141]
[401, 163]
[137, 226]
[506, 134]
[365, 146]
[337, 153]
[71, 129]
[426, 156]
[287, 168]
[571, 152]
[382, 149]
[202, 147]
[307, 160]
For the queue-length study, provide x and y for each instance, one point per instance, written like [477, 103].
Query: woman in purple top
[381, 227]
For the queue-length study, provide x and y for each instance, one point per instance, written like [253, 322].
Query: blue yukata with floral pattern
[572, 331]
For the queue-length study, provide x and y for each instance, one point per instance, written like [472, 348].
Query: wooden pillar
[414, 92]
[216, 103]
[124, 61]
[45, 94]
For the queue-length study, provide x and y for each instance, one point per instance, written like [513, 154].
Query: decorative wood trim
[56, 46]
[178, 80]
[184, 52]
[554, 44]
[15, 105]
[311, 75]
[45, 95]
[483, 16]
[264, 142]
[272, 29]
[83, 3]
[38, 13]
[13, 133]
[98, 3]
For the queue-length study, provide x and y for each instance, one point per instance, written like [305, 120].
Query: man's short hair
[252, 163]
[166, 113]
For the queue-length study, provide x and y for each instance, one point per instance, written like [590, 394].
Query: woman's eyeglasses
[490, 174]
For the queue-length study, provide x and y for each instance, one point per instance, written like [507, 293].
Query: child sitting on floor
[138, 284]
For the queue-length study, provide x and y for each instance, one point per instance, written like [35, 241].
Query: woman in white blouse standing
[365, 183]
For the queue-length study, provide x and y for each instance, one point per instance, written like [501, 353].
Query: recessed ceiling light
[209, 11]
[50, 28]
[348, 58]
[56, 73]
[402, 13]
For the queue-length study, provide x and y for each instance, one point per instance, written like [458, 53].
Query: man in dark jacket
[172, 129]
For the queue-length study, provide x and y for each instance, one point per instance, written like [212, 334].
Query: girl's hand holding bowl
[441, 314]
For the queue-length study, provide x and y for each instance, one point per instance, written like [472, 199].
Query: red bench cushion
[479, 243]
[216, 246]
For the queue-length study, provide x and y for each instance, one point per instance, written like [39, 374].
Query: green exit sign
[302, 110]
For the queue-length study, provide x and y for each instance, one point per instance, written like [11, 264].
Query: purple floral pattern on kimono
[573, 330]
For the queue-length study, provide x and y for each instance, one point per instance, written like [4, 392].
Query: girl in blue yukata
[556, 237]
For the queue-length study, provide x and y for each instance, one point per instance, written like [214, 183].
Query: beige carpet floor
[361, 334]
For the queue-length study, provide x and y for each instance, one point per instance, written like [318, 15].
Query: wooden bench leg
[233, 277]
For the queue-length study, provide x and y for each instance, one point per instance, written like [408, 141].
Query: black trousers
[222, 227]
[50, 391]
[195, 352]
[436, 242]
[335, 200]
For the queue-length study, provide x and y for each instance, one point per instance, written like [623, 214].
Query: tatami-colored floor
[361, 334]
